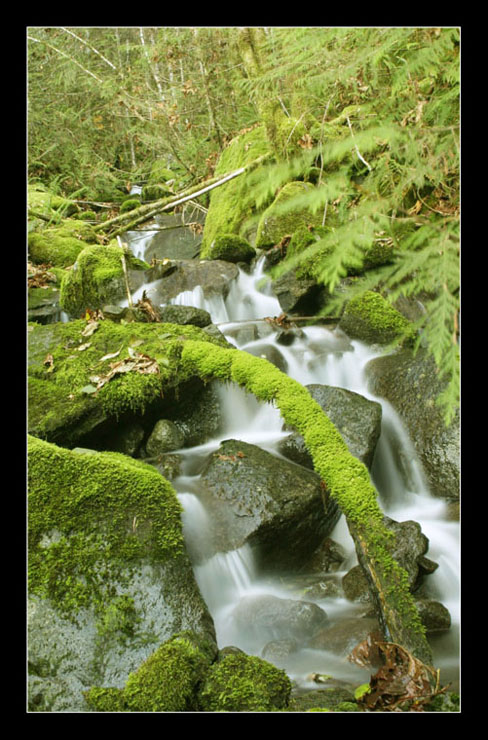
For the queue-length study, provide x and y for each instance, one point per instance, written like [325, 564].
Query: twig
[356, 146]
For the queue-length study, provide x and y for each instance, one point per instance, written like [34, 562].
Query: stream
[325, 356]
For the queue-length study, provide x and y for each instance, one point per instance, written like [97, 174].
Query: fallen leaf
[49, 361]
[91, 327]
[110, 356]
[82, 347]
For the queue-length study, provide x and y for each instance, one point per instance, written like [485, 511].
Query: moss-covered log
[346, 478]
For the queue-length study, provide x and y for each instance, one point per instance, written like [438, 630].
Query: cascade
[321, 356]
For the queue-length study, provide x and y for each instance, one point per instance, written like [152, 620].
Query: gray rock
[342, 637]
[165, 437]
[357, 419]
[411, 384]
[214, 278]
[279, 619]
[276, 506]
[299, 296]
[184, 315]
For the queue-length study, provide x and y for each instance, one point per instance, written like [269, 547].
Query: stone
[357, 419]
[411, 384]
[271, 617]
[165, 437]
[279, 508]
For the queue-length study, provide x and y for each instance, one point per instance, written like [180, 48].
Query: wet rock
[184, 315]
[408, 549]
[127, 439]
[276, 506]
[299, 296]
[434, 615]
[165, 437]
[277, 650]
[198, 418]
[328, 557]
[279, 619]
[342, 637]
[357, 419]
[270, 353]
[213, 278]
[411, 384]
[328, 698]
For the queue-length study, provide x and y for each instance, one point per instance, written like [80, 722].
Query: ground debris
[401, 682]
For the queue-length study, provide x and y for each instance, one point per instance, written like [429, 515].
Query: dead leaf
[89, 329]
[306, 142]
[110, 356]
[49, 361]
[82, 347]
[401, 682]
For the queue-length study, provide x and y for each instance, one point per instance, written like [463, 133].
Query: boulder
[270, 618]
[297, 295]
[371, 319]
[411, 384]
[165, 437]
[277, 221]
[343, 636]
[231, 248]
[408, 549]
[276, 506]
[211, 278]
[357, 419]
[109, 576]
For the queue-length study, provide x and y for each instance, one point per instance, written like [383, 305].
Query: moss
[60, 245]
[40, 199]
[244, 683]
[166, 682]
[232, 204]
[154, 192]
[231, 248]
[370, 318]
[280, 219]
[90, 516]
[159, 172]
[346, 478]
[86, 216]
[97, 278]
[58, 404]
[130, 204]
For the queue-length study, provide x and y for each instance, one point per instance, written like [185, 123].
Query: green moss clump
[244, 683]
[166, 682]
[231, 248]
[60, 245]
[233, 203]
[83, 511]
[281, 218]
[370, 318]
[59, 406]
[155, 191]
[159, 172]
[130, 204]
[96, 279]
[40, 199]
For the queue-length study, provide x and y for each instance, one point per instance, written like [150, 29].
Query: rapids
[324, 356]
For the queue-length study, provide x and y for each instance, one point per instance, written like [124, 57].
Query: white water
[327, 357]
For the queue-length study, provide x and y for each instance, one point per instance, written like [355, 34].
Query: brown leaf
[89, 329]
[49, 361]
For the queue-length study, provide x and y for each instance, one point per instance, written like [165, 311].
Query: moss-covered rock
[60, 245]
[244, 683]
[370, 318]
[129, 205]
[232, 204]
[109, 577]
[97, 278]
[231, 248]
[41, 200]
[285, 215]
[63, 404]
[166, 682]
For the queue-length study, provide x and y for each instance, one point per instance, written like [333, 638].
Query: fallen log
[126, 221]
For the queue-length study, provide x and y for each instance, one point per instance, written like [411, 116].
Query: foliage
[386, 108]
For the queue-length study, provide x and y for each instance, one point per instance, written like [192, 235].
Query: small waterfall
[317, 355]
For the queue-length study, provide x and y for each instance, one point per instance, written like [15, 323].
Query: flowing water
[324, 356]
